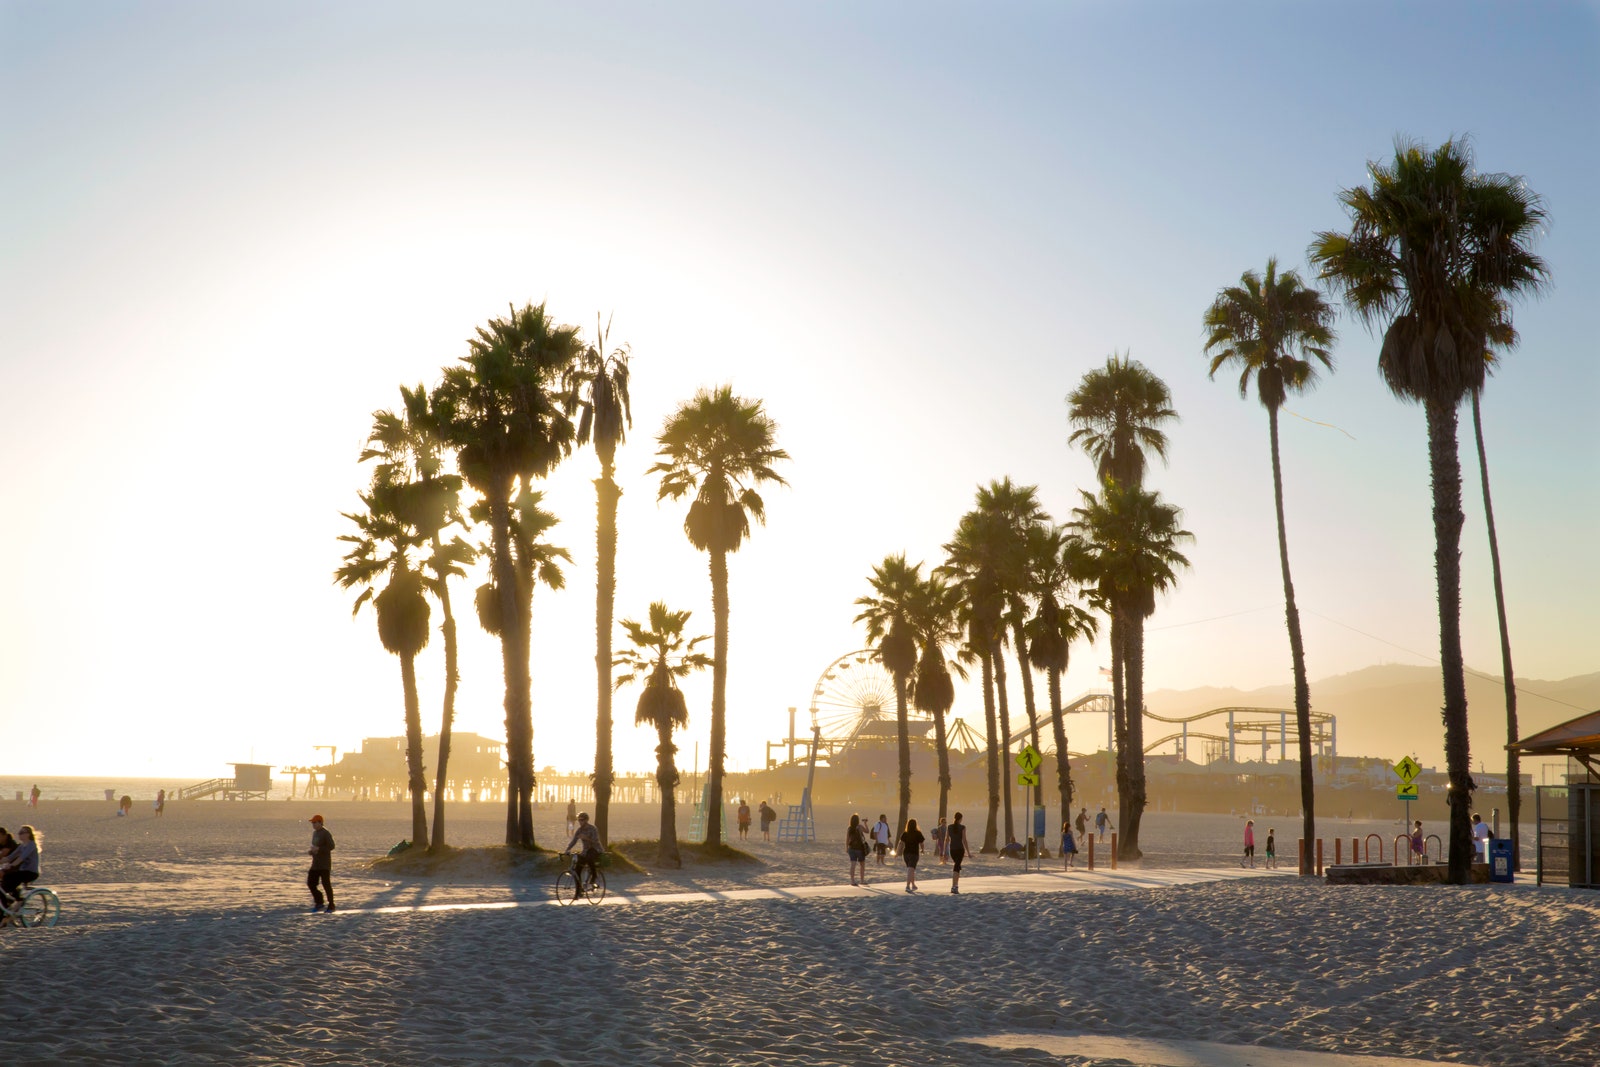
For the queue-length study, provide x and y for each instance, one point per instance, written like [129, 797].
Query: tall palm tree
[718, 449]
[502, 410]
[1058, 561]
[407, 447]
[890, 617]
[1132, 537]
[1117, 413]
[381, 549]
[972, 567]
[605, 416]
[1434, 253]
[1276, 330]
[661, 655]
[938, 625]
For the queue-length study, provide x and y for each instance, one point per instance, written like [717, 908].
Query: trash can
[111, 794]
[1501, 860]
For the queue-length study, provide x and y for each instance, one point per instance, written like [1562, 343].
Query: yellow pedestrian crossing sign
[1028, 759]
[1406, 791]
[1407, 769]
[1028, 779]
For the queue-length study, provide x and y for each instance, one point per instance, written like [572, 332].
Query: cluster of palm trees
[527, 392]
[1435, 253]
[1014, 580]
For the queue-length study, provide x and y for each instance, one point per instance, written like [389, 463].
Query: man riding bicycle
[590, 855]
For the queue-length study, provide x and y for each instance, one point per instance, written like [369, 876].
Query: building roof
[1580, 735]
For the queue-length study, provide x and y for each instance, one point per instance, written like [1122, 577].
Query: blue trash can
[1501, 860]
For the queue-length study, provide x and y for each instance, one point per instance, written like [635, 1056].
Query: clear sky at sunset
[229, 232]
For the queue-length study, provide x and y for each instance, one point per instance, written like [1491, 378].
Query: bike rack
[1406, 838]
[1367, 843]
[1438, 852]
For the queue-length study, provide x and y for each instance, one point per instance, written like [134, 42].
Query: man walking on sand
[1102, 823]
[881, 834]
[320, 876]
[956, 835]
[1082, 823]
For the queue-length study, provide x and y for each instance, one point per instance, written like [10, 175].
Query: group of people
[766, 812]
[19, 865]
[860, 840]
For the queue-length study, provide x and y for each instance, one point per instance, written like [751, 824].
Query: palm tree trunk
[1063, 757]
[667, 782]
[452, 678]
[941, 741]
[1513, 758]
[1297, 656]
[607, 494]
[1444, 464]
[519, 754]
[1128, 844]
[905, 748]
[719, 694]
[525, 655]
[998, 655]
[416, 779]
[993, 751]
[1119, 712]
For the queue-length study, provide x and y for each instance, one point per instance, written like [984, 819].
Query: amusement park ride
[853, 709]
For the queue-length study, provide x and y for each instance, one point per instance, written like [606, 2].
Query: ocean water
[142, 790]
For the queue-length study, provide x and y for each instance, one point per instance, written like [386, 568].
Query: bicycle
[570, 888]
[34, 906]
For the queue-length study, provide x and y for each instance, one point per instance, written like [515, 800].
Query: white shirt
[1480, 831]
[881, 832]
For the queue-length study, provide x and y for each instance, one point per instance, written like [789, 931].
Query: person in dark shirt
[957, 836]
[589, 855]
[911, 848]
[320, 877]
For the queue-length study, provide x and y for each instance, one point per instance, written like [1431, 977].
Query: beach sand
[188, 939]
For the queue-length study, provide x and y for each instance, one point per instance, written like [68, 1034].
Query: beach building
[1567, 816]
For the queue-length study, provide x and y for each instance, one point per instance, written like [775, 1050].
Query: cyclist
[19, 868]
[589, 857]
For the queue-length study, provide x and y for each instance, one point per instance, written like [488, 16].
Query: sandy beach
[188, 939]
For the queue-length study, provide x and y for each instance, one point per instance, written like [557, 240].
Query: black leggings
[12, 881]
[957, 856]
[320, 875]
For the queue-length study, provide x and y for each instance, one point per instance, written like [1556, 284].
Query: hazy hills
[1393, 710]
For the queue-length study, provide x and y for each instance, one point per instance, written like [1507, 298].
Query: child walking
[1272, 848]
[1249, 844]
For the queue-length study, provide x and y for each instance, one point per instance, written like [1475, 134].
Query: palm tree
[1434, 253]
[501, 409]
[661, 656]
[408, 450]
[1058, 561]
[971, 566]
[382, 550]
[1277, 330]
[890, 620]
[936, 620]
[602, 396]
[1117, 413]
[718, 449]
[1132, 539]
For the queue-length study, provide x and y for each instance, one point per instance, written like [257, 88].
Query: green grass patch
[486, 863]
[693, 855]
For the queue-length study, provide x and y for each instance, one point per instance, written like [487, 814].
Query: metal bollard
[1300, 856]
[1113, 850]
[1319, 857]
[1338, 851]
[1091, 851]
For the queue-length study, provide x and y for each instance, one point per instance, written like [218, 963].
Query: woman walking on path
[911, 848]
[1419, 844]
[957, 840]
[941, 842]
[1069, 847]
[855, 844]
[1249, 844]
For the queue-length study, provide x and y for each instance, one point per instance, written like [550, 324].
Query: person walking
[911, 840]
[572, 817]
[320, 877]
[161, 802]
[941, 842]
[744, 819]
[957, 840]
[1419, 844]
[1102, 823]
[33, 797]
[1082, 823]
[855, 845]
[767, 815]
[1069, 847]
[881, 834]
[1272, 848]
[1249, 844]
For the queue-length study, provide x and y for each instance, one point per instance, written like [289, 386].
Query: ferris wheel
[853, 700]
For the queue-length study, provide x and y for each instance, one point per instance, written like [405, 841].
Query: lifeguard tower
[250, 781]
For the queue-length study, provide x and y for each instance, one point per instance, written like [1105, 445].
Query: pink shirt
[1249, 836]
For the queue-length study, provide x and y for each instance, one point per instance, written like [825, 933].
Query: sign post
[1028, 761]
[1407, 770]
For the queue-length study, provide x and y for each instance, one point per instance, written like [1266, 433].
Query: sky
[228, 233]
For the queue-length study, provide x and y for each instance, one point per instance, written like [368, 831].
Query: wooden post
[1300, 856]
[1091, 850]
[1355, 850]
[1113, 850]
[1338, 851]
[1319, 857]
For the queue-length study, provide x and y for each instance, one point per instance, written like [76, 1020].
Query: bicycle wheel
[597, 888]
[39, 908]
[566, 887]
